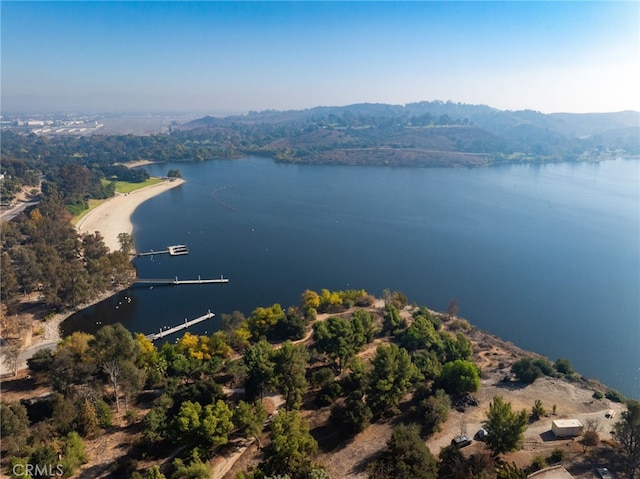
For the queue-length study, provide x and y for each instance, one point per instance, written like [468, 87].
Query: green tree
[174, 174]
[114, 349]
[456, 348]
[537, 410]
[563, 366]
[452, 463]
[196, 469]
[125, 240]
[73, 455]
[392, 322]
[353, 416]
[310, 302]
[216, 424]
[250, 418]
[627, 434]
[334, 337]
[505, 426]
[259, 363]
[421, 335]
[406, 457]
[459, 377]
[263, 320]
[290, 373]
[291, 448]
[432, 410]
[363, 327]
[392, 374]
[14, 425]
[526, 370]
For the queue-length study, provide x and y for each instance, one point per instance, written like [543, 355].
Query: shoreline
[114, 215]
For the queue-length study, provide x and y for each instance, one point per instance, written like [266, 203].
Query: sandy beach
[114, 216]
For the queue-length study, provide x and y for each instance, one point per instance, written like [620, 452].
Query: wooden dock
[176, 281]
[175, 250]
[162, 333]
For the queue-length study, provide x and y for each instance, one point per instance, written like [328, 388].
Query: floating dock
[175, 250]
[176, 281]
[162, 333]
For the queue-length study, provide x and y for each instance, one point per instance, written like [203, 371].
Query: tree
[334, 337]
[406, 457]
[174, 173]
[590, 439]
[505, 426]
[459, 377]
[363, 327]
[310, 302]
[73, 455]
[627, 434]
[422, 335]
[14, 425]
[452, 463]
[526, 371]
[263, 320]
[216, 424]
[291, 446]
[289, 371]
[114, 349]
[11, 356]
[250, 418]
[195, 470]
[563, 366]
[258, 360]
[353, 416]
[452, 309]
[537, 410]
[125, 240]
[392, 374]
[432, 410]
[392, 322]
[456, 348]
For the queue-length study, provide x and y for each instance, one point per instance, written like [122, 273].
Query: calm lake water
[546, 256]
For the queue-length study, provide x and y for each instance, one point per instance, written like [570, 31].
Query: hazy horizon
[225, 58]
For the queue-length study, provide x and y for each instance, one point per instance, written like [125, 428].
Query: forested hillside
[427, 134]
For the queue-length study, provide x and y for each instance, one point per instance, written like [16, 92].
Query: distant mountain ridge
[429, 133]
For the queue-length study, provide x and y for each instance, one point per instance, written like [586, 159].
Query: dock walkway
[176, 281]
[162, 333]
[175, 250]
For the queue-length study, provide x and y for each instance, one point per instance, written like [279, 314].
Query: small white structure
[566, 427]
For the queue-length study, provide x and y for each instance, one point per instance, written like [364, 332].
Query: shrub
[556, 457]
[597, 395]
[615, 396]
[460, 324]
[563, 366]
[538, 463]
[526, 371]
[104, 413]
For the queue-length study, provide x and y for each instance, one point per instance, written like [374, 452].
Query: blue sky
[224, 57]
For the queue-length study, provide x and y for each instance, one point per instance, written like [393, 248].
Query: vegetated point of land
[572, 398]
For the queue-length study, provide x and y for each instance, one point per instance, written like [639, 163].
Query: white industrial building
[566, 427]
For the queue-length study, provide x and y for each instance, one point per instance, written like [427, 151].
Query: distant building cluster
[51, 124]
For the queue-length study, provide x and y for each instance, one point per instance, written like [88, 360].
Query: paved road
[26, 354]
[9, 214]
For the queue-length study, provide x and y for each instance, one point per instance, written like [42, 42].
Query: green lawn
[127, 187]
[121, 187]
[92, 204]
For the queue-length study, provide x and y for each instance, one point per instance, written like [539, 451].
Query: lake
[546, 256]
